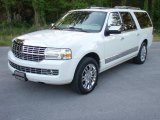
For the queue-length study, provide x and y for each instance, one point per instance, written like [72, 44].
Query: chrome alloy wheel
[89, 76]
[143, 53]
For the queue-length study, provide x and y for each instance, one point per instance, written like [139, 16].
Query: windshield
[83, 21]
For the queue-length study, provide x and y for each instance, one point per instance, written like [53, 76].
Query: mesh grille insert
[34, 70]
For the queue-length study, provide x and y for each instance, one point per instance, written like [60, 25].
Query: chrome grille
[34, 70]
[30, 53]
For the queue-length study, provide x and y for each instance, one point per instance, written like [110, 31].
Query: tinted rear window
[128, 22]
[143, 19]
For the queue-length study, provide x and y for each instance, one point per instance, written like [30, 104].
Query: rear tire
[86, 76]
[142, 55]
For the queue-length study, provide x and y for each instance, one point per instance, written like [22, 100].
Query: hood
[54, 38]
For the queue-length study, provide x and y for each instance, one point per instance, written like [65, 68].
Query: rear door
[130, 34]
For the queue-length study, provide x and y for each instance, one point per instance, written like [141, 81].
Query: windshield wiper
[77, 29]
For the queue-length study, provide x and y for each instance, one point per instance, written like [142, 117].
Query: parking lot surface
[125, 92]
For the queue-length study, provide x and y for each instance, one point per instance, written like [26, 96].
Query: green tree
[146, 4]
[124, 2]
[39, 12]
[156, 13]
[107, 3]
[8, 5]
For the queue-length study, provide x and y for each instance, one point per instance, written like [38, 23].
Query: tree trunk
[36, 17]
[39, 12]
[36, 14]
[8, 14]
[152, 8]
[146, 5]
[111, 4]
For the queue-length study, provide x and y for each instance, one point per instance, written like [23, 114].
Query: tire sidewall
[78, 75]
[143, 44]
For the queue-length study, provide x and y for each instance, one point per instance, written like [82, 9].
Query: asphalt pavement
[125, 92]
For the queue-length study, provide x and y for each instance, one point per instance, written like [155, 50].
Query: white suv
[81, 45]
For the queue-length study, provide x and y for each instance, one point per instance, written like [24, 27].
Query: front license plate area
[20, 75]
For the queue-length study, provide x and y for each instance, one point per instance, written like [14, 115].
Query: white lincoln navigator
[81, 45]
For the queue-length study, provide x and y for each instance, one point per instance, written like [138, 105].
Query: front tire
[86, 76]
[142, 55]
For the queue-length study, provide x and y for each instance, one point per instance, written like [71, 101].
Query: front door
[113, 43]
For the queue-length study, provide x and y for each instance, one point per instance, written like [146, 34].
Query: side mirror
[108, 32]
[113, 30]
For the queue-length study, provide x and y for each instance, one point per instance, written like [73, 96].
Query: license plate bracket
[20, 75]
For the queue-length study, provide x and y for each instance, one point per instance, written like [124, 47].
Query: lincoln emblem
[20, 41]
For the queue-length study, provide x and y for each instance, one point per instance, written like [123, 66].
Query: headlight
[58, 54]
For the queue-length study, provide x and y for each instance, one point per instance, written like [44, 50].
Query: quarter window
[128, 22]
[143, 19]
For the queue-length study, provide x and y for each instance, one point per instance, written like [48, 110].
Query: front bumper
[66, 69]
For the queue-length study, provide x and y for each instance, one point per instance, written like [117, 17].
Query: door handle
[122, 38]
[138, 34]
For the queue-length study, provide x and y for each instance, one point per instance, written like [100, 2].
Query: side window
[128, 22]
[143, 19]
[114, 21]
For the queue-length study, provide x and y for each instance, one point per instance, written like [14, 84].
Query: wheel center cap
[88, 75]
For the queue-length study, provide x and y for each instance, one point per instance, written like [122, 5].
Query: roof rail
[127, 7]
[93, 7]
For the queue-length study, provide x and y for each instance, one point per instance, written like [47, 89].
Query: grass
[7, 34]
[157, 37]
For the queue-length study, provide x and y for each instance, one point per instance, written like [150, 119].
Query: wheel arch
[93, 55]
[145, 41]
[74, 82]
